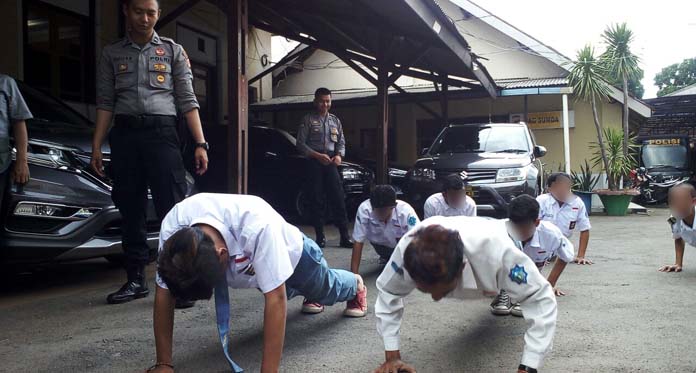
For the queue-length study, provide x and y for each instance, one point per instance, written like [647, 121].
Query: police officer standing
[142, 81]
[320, 138]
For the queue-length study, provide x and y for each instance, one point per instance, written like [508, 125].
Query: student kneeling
[433, 259]
[222, 240]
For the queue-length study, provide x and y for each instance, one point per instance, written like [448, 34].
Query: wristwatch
[525, 368]
[203, 145]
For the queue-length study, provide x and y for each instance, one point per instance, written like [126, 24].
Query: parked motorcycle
[652, 190]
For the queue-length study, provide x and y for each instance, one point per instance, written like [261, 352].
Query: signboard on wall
[544, 120]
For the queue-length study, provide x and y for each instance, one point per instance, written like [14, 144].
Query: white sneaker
[516, 310]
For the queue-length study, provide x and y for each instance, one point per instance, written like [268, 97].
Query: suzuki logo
[463, 175]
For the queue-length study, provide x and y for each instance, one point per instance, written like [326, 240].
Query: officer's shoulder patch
[396, 268]
[518, 274]
[672, 220]
[168, 40]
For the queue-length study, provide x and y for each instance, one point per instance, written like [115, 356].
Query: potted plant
[616, 200]
[583, 185]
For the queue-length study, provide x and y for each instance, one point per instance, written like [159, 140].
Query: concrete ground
[620, 315]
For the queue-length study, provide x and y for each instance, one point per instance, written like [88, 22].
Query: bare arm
[355, 258]
[582, 248]
[20, 173]
[679, 257]
[194, 123]
[163, 317]
[100, 131]
[274, 316]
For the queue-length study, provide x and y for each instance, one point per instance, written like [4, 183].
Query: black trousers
[145, 153]
[325, 183]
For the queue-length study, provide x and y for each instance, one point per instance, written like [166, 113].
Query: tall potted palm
[616, 201]
[621, 65]
[586, 78]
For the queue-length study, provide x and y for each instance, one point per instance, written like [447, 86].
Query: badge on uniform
[160, 67]
[672, 220]
[159, 51]
[411, 221]
[518, 274]
[397, 269]
[572, 225]
[122, 67]
[160, 78]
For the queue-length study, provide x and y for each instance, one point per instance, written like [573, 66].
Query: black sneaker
[321, 241]
[131, 290]
[346, 243]
[501, 305]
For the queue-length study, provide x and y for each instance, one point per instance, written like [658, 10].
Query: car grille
[474, 175]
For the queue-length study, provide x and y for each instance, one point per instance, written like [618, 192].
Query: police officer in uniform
[143, 80]
[320, 138]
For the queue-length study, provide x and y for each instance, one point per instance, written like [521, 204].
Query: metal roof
[423, 40]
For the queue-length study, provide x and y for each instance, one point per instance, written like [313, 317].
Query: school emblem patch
[411, 221]
[518, 274]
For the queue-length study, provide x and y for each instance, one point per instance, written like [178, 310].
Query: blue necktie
[222, 312]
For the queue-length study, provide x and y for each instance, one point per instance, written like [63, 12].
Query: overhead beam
[175, 13]
[289, 57]
[358, 69]
[417, 102]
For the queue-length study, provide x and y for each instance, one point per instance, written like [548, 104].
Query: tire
[302, 206]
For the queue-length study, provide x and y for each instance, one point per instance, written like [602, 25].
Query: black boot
[134, 288]
[346, 242]
[321, 239]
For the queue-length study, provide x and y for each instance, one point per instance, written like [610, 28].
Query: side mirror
[539, 151]
[424, 151]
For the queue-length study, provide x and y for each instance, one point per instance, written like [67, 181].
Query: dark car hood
[81, 141]
[475, 161]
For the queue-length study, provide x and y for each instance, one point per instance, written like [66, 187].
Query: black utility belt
[144, 121]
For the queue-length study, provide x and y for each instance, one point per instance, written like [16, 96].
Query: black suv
[65, 211]
[499, 160]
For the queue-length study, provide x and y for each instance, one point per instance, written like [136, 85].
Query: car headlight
[53, 211]
[423, 173]
[351, 174]
[47, 156]
[505, 175]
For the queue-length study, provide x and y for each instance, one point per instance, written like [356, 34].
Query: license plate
[469, 191]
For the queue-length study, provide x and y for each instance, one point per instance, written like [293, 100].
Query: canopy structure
[381, 40]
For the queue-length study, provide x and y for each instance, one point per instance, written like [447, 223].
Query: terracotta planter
[616, 201]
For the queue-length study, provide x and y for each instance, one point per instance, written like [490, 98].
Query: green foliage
[618, 164]
[586, 76]
[676, 76]
[584, 181]
[635, 87]
[617, 59]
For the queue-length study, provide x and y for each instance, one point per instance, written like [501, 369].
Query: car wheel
[302, 206]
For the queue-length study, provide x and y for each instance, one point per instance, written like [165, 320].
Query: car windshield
[479, 139]
[52, 115]
[656, 156]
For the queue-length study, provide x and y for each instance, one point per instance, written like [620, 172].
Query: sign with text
[545, 119]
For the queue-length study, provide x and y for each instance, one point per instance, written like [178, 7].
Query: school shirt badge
[518, 274]
[411, 221]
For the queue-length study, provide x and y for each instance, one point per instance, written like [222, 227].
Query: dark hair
[322, 92]
[523, 209]
[452, 182]
[555, 176]
[434, 256]
[189, 264]
[383, 196]
[688, 186]
[127, 3]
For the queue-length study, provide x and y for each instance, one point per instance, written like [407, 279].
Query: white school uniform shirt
[264, 249]
[492, 262]
[369, 228]
[436, 205]
[682, 230]
[548, 241]
[568, 218]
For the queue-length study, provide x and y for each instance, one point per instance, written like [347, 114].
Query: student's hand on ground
[582, 261]
[558, 292]
[20, 173]
[160, 369]
[395, 366]
[671, 268]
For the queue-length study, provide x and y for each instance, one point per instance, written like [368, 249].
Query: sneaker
[311, 307]
[358, 306]
[516, 310]
[501, 305]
